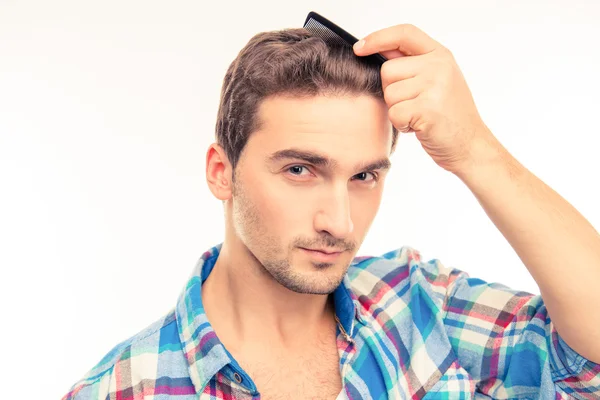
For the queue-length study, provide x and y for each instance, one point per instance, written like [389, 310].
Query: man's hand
[427, 93]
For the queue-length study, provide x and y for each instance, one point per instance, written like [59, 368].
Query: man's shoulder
[140, 352]
[400, 270]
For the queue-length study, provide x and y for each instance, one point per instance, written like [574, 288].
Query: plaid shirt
[408, 330]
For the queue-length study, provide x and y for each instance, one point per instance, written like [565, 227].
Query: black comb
[322, 27]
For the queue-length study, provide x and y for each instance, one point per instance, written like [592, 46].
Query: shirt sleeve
[506, 340]
[89, 388]
[97, 383]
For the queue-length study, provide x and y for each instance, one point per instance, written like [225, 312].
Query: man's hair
[292, 63]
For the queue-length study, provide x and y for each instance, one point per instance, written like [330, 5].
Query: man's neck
[245, 304]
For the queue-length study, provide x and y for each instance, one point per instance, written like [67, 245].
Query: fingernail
[358, 45]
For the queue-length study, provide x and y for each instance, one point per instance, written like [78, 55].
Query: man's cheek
[291, 212]
[362, 217]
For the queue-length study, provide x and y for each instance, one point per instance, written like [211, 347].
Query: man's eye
[297, 169]
[366, 176]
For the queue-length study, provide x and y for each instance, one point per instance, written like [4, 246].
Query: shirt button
[237, 377]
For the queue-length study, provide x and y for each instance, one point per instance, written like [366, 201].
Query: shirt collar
[203, 351]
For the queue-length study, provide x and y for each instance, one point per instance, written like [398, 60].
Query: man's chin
[313, 289]
[309, 276]
[316, 282]
[323, 266]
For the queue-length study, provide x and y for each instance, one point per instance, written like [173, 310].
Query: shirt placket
[346, 348]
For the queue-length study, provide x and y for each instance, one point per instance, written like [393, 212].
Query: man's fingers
[405, 116]
[401, 68]
[399, 91]
[406, 38]
[391, 54]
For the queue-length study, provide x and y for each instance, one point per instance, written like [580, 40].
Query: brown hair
[289, 62]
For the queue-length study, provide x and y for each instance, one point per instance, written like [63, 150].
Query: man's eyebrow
[323, 161]
[308, 156]
[384, 163]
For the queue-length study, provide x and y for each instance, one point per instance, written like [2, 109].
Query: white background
[106, 111]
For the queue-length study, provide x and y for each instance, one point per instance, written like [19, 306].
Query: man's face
[308, 186]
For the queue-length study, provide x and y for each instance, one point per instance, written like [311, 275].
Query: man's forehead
[323, 112]
[324, 131]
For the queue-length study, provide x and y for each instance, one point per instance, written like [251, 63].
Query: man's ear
[219, 172]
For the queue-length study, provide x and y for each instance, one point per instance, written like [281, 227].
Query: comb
[324, 28]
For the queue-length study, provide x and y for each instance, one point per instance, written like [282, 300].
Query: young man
[283, 309]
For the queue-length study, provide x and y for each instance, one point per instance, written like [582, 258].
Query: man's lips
[323, 255]
[326, 251]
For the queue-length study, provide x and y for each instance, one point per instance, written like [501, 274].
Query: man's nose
[333, 215]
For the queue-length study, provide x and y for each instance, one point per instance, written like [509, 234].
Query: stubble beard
[272, 256]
